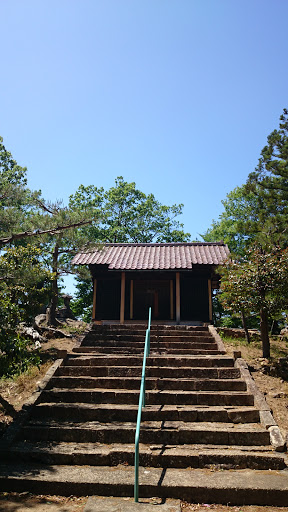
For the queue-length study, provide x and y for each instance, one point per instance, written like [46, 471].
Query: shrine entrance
[175, 279]
[155, 294]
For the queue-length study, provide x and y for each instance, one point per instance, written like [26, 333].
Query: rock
[267, 419]
[276, 439]
[279, 395]
[39, 320]
[31, 333]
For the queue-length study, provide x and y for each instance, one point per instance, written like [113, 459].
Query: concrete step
[140, 338]
[155, 329]
[80, 412]
[198, 414]
[167, 432]
[211, 345]
[140, 351]
[182, 456]
[158, 361]
[151, 383]
[136, 371]
[235, 487]
[152, 397]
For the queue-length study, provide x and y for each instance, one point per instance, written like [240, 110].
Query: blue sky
[178, 96]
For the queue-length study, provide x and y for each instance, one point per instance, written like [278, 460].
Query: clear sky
[176, 95]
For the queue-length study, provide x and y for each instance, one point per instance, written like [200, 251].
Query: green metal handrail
[141, 404]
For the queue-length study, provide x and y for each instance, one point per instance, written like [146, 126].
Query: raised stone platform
[207, 434]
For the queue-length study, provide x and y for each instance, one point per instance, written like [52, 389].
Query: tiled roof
[154, 256]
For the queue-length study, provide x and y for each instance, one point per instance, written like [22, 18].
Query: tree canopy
[257, 211]
[238, 225]
[43, 237]
[127, 214]
[269, 183]
[15, 197]
[254, 224]
[258, 283]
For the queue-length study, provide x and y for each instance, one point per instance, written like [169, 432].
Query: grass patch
[70, 329]
[253, 350]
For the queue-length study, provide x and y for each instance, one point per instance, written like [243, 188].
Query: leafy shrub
[16, 352]
[17, 355]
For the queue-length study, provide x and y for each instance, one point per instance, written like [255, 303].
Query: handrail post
[141, 404]
[143, 401]
[136, 483]
[149, 327]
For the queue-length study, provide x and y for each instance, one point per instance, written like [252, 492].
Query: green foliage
[17, 354]
[60, 247]
[257, 284]
[238, 225]
[254, 225]
[220, 317]
[128, 215]
[258, 281]
[271, 174]
[269, 183]
[258, 210]
[24, 288]
[17, 202]
[125, 214]
[230, 321]
[24, 282]
[82, 304]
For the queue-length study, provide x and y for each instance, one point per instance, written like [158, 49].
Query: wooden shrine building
[175, 279]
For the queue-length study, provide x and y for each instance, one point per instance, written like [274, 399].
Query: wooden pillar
[122, 300]
[210, 301]
[178, 297]
[94, 298]
[171, 300]
[131, 298]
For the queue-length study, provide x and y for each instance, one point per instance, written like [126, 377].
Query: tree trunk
[54, 298]
[247, 335]
[264, 329]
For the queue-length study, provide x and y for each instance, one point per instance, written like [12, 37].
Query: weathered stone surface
[173, 456]
[267, 419]
[276, 438]
[217, 338]
[102, 504]
[31, 333]
[196, 485]
[259, 398]
[202, 411]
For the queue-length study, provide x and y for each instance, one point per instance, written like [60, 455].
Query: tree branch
[45, 207]
[39, 232]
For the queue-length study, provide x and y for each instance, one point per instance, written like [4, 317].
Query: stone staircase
[205, 433]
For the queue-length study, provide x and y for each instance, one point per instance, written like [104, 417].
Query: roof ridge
[150, 244]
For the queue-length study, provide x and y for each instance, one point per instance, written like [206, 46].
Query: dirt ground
[274, 388]
[17, 391]
[188, 507]
[25, 502]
